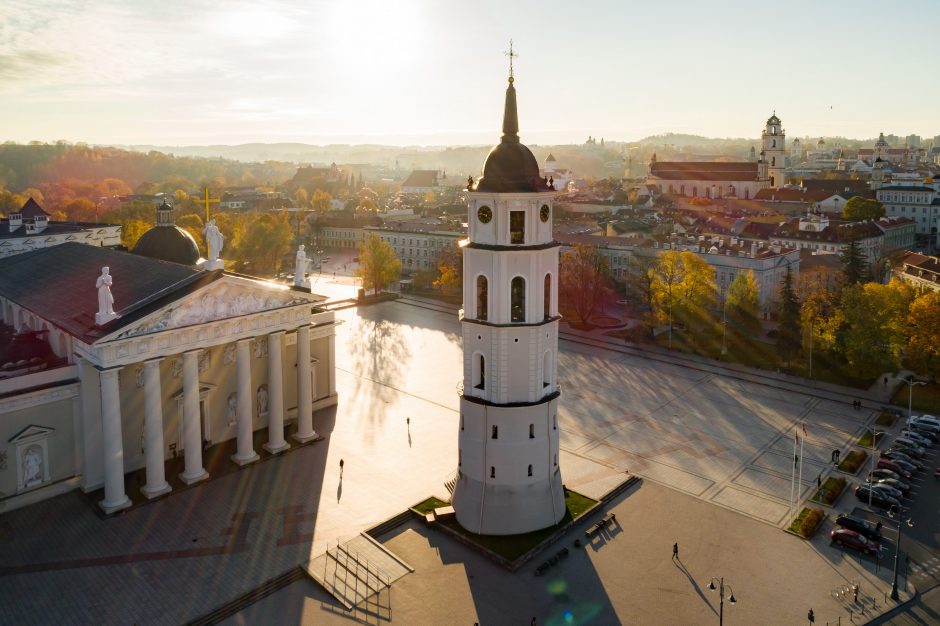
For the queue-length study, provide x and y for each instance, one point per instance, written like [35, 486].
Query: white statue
[105, 299]
[232, 408]
[262, 400]
[300, 267]
[32, 467]
[214, 239]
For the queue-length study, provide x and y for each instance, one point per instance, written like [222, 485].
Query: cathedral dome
[510, 167]
[166, 241]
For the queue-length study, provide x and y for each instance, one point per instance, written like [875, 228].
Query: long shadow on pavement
[681, 566]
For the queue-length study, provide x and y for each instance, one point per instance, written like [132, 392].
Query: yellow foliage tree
[450, 266]
[132, 230]
[193, 225]
[923, 342]
[321, 200]
[378, 265]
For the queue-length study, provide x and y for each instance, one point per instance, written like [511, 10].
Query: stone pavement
[625, 576]
[723, 440]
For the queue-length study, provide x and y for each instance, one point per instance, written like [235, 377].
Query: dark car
[929, 433]
[910, 451]
[888, 489]
[888, 464]
[876, 497]
[878, 474]
[861, 526]
[852, 539]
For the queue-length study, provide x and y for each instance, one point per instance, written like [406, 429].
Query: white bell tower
[508, 479]
[773, 151]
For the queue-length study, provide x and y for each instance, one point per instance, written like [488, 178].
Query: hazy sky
[175, 72]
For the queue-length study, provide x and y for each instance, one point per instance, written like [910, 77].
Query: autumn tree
[10, 202]
[923, 341]
[321, 201]
[584, 282]
[378, 265]
[81, 210]
[875, 325]
[193, 224]
[367, 205]
[859, 208]
[450, 268]
[264, 242]
[301, 198]
[132, 230]
[743, 302]
[665, 280]
[788, 317]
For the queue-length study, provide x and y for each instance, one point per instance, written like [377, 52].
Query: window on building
[517, 300]
[492, 472]
[531, 431]
[461, 421]
[479, 376]
[547, 369]
[495, 434]
[530, 470]
[517, 227]
[482, 297]
[547, 297]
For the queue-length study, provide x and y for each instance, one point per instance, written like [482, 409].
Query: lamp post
[897, 550]
[871, 477]
[811, 349]
[724, 321]
[721, 597]
[910, 393]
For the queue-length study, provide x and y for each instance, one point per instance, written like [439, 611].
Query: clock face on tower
[484, 214]
[544, 213]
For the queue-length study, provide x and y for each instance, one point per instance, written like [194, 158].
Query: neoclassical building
[114, 362]
[508, 477]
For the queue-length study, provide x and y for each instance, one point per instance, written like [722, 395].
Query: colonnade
[115, 496]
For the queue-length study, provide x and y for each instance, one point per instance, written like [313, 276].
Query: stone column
[246, 452]
[115, 498]
[331, 370]
[153, 431]
[305, 430]
[193, 471]
[276, 443]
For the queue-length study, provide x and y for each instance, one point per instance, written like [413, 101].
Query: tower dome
[510, 167]
[166, 241]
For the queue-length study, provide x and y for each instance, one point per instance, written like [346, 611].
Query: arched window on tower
[773, 161]
[530, 470]
[492, 472]
[547, 296]
[479, 372]
[531, 431]
[773, 143]
[495, 434]
[482, 297]
[547, 369]
[517, 300]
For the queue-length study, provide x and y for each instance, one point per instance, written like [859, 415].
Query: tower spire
[510, 116]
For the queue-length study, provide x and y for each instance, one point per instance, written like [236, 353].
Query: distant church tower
[773, 151]
[509, 481]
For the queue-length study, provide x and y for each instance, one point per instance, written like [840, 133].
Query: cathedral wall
[60, 445]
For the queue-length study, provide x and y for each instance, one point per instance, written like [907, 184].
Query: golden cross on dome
[512, 55]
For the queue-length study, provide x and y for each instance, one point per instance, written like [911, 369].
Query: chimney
[753, 249]
[16, 220]
[40, 222]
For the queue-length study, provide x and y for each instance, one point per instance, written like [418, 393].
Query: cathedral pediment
[228, 298]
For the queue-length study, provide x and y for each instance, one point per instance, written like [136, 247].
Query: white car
[924, 420]
[916, 438]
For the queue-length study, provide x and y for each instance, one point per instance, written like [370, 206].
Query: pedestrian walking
[855, 592]
[811, 616]
[818, 481]
[675, 550]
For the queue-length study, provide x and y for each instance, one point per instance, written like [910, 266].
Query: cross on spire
[512, 55]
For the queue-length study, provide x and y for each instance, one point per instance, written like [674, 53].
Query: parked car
[916, 437]
[897, 483]
[861, 526]
[888, 464]
[888, 489]
[907, 451]
[902, 454]
[925, 421]
[852, 539]
[909, 443]
[876, 497]
[926, 430]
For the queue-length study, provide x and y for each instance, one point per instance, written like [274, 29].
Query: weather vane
[511, 56]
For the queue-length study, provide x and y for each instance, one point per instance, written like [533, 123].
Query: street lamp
[724, 321]
[910, 395]
[721, 597]
[871, 477]
[897, 549]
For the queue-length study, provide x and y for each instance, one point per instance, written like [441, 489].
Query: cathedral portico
[196, 359]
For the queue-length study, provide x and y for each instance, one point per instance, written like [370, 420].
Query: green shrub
[886, 419]
[807, 522]
[866, 440]
[852, 461]
[830, 491]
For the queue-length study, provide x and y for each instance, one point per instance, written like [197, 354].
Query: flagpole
[792, 476]
[799, 482]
